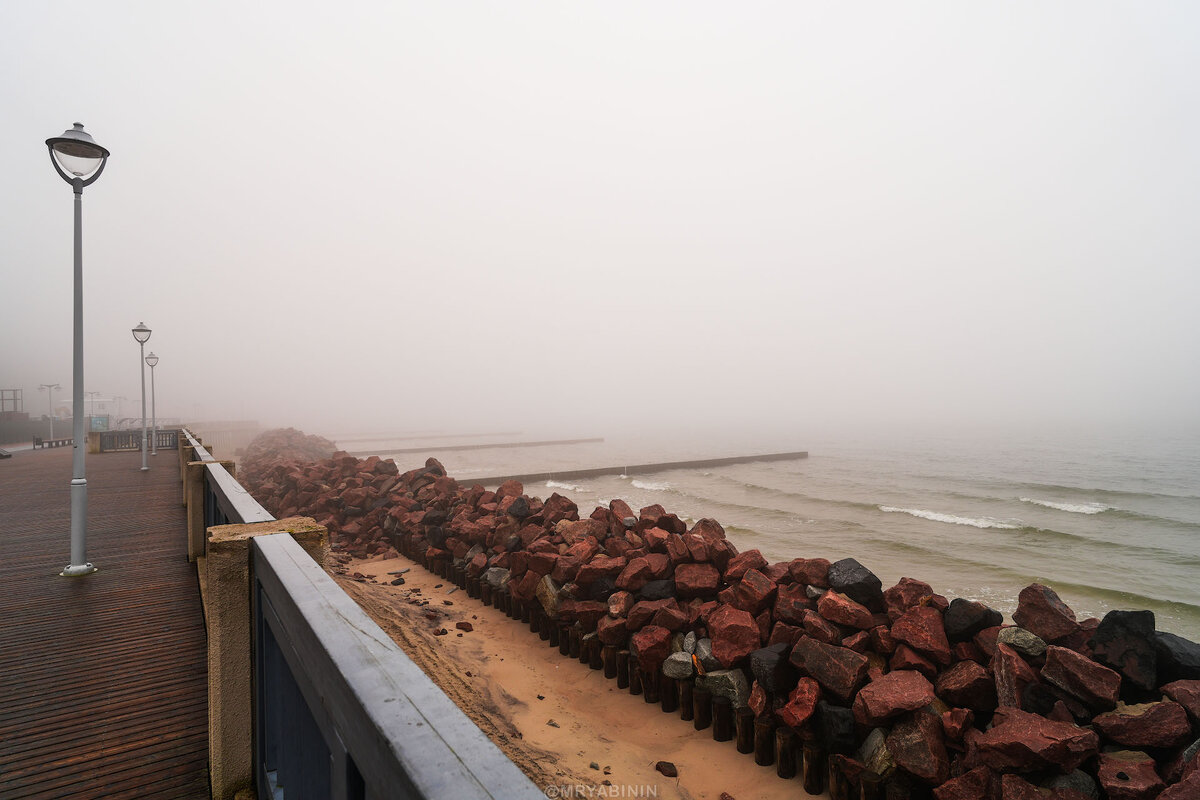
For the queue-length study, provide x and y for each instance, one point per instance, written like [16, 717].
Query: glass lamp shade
[151, 360]
[76, 153]
[141, 333]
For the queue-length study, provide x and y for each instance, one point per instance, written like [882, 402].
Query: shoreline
[496, 672]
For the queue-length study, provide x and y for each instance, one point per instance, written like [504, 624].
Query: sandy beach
[514, 686]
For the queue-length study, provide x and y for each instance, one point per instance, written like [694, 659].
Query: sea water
[1109, 520]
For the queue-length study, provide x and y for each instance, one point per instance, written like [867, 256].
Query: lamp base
[77, 570]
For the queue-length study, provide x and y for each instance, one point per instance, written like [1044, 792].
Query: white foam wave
[1074, 508]
[975, 522]
[570, 487]
[651, 486]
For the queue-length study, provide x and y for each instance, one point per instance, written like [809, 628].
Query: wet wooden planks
[103, 680]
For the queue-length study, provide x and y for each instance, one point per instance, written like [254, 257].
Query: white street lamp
[141, 333]
[152, 360]
[79, 161]
[49, 389]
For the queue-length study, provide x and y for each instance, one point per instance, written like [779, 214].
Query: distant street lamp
[152, 360]
[49, 389]
[141, 333]
[92, 401]
[79, 161]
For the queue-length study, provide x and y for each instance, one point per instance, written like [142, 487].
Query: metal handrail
[226, 501]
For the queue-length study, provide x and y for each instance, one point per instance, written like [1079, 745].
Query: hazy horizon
[587, 219]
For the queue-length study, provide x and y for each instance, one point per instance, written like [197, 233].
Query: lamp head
[76, 156]
[141, 333]
[151, 360]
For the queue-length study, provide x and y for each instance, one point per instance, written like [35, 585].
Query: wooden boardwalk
[103, 679]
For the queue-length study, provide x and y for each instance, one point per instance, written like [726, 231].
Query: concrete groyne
[481, 446]
[636, 469]
[808, 664]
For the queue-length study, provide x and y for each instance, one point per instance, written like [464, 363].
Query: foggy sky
[576, 216]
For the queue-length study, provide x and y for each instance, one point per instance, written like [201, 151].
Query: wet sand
[513, 685]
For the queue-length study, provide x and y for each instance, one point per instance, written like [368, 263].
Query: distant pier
[631, 469]
[444, 448]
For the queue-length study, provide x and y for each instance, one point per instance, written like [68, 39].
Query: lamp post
[49, 389]
[141, 333]
[79, 161]
[152, 360]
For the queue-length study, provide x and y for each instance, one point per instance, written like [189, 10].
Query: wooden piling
[574, 645]
[585, 648]
[635, 677]
[650, 687]
[744, 719]
[545, 626]
[687, 709]
[785, 753]
[622, 669]
[722, 719]
[596, 654]
[525, 609]
[836, 784]
[764, 741]
[485, 592]
[608, 654]
[870, 787]
[552, 633]
[702, 705]
[668, 694]
[814, 768]
[564, 639]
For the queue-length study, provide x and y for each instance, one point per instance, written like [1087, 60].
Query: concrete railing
[308, 697]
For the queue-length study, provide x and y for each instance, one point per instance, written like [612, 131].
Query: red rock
[810, 571]
[510, 489]
[783, 632]
[1187, 694]
[1163, 724]
[568, 564]
[955, 722]
[822, 629]
[801, 704]
[643, 612]
[858, 642]
[737, 566]
[697, 545]
[921, 628]
[708, 529]
[720, 552]
[1026, 742]
[1186, 789]
[882, 640]
[1012, 675]
[1040, 611]
[648, 517]
[1128, 775]
[967, 684]
[763, 620]
[577, 531]
[791, 603]
[558, 508]
[621, 510]
[919, 747]
[656, 540]
[734, 634]
[613, 630]
[754, 591]
[967, 651]
[839, 670]
[907, 658]
[651, 645]
[841, 610]
[696, 580]
[464, 626]
[541, 563]
[906, 594]
[637, 573]
[1094, 684]
[601, 566]
[890, 696]
[985, 640]
[677, 550]
[973, 785]
[620, 604]
[673, 619]
[778, 572]
[758, 699]
[1014, 787]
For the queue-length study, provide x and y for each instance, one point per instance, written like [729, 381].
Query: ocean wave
[975, 522]
[570, 487]
[1074, 508]
[651, 486]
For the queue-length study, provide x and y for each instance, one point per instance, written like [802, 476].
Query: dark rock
[1124, 640]
[1178, 658]
[856, 581]
[890, 696]
[835, 727]
[965, 618]
[657, 590]
[1094, 684]
[772, 669]
[1163, 724]
[837, 669]
[667, 768]
[464, 626]
[918, 745]
[602, 589]
[1040, 611]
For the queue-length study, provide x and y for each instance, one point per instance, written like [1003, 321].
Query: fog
[584, 217]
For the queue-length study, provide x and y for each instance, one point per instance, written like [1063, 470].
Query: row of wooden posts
[790, 752]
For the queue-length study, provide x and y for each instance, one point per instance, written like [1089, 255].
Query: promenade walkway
[103, 679]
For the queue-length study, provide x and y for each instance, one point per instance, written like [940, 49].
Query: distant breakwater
[636, 469]
[808, 665]
[483, 446]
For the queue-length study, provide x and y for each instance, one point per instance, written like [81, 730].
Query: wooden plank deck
[103, 679]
